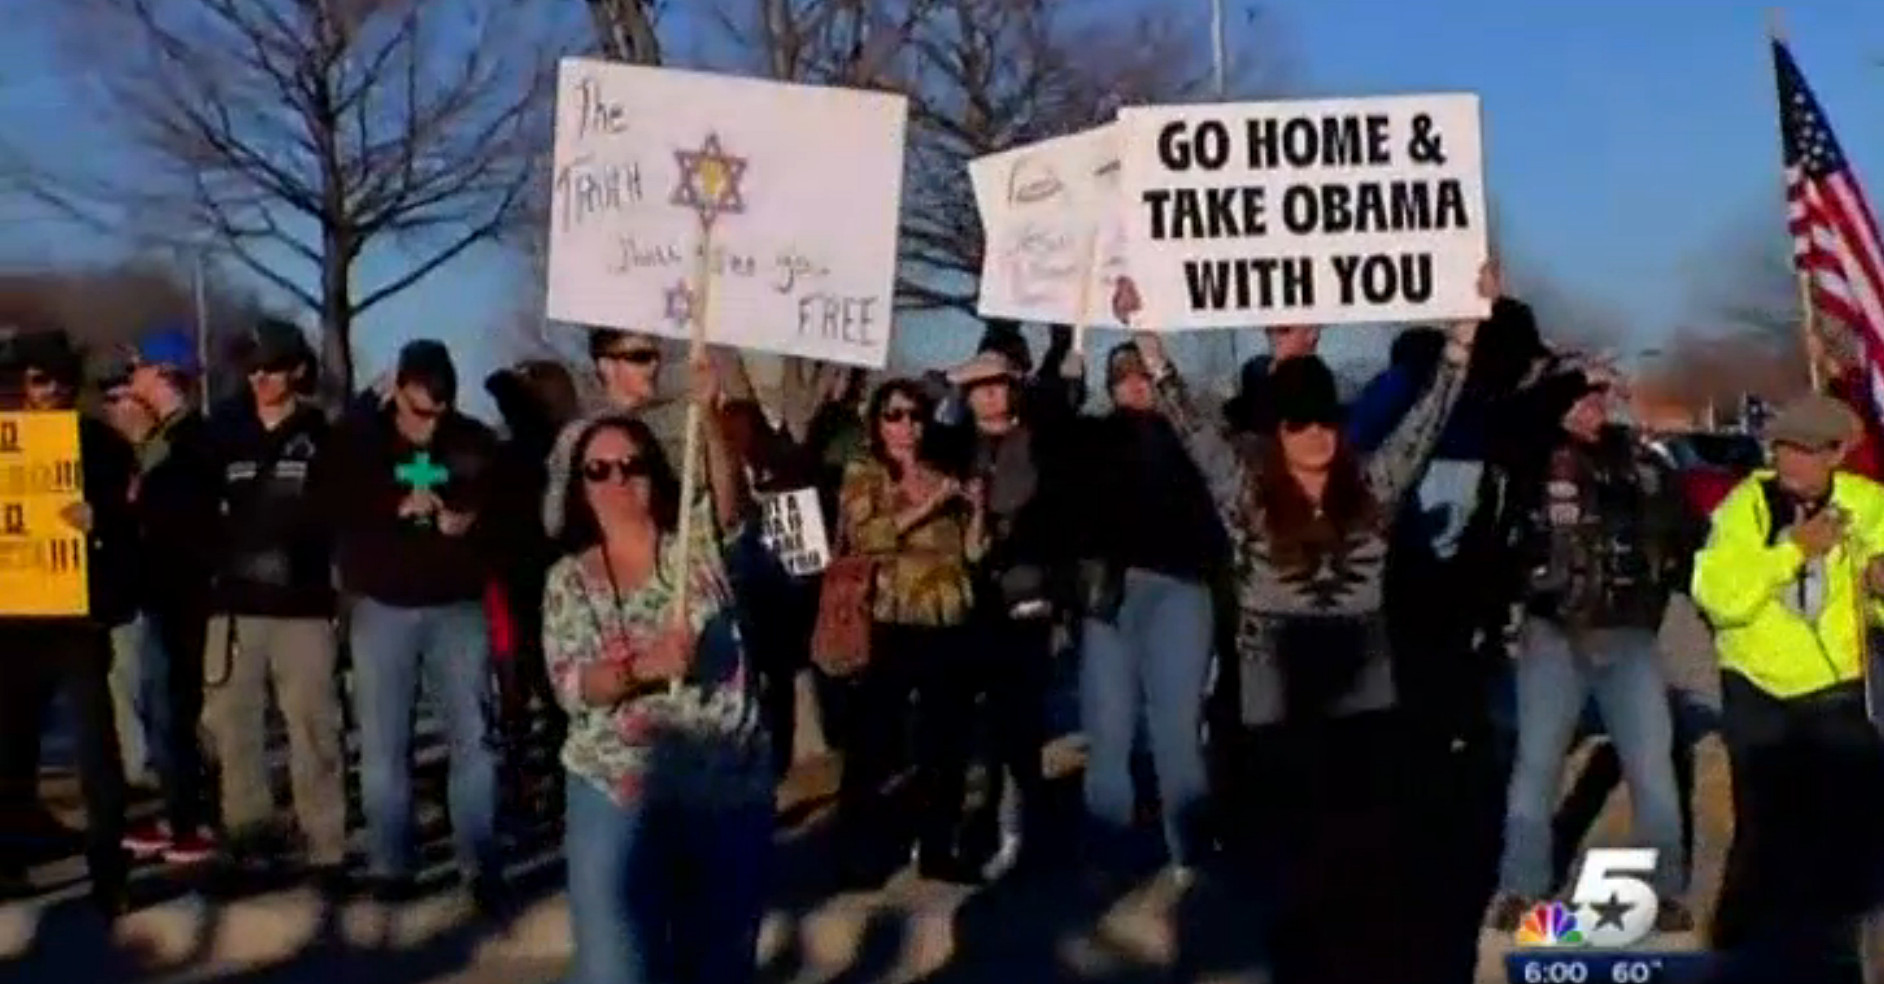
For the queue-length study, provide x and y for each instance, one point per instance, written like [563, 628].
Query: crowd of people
[1344, 646]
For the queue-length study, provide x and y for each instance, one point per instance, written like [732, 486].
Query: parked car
[1709, 464]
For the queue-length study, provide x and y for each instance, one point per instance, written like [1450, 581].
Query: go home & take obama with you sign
[1305, 212]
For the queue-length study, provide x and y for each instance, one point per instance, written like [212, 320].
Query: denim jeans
[1151, 660]
[664, 892]
[1556, 674]
[449, 646]
[179, 627]
[131, 705]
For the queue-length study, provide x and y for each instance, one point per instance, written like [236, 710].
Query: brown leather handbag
[840, 643]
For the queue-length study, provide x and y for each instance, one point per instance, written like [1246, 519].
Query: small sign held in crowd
[42, 555]
[800, 187]
[1305, 212]
[1050, 213]
[794, 531]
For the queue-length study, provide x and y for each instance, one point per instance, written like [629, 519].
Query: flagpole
[1809, 331]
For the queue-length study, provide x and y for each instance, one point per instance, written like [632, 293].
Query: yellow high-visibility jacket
[1741, 574]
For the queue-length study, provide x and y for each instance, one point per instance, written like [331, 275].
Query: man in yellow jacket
[1786, 580]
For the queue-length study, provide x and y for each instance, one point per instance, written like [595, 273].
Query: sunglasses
[899, 415]
[274, 368]
[1298, 426]
[623, 470]
[634, 357]
[38, 380]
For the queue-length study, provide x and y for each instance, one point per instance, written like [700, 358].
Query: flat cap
[1816, 422]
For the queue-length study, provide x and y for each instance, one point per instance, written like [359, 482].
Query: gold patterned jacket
[922, 574]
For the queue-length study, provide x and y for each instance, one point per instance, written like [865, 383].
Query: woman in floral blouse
[669, 791]
[923, 528]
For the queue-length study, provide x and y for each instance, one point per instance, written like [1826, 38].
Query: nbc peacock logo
[1549, 924]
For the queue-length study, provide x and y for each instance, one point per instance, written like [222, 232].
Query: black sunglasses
[634, 357]
[273, 367]
[1297, 426]
[38, 380]
[624, 470]
[897, 415]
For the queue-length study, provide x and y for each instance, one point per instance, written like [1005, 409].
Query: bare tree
[986, 75]
[981, 76]
[626, 30]
[299, 135]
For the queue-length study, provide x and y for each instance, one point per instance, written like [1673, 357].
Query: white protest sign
[1048, 211]
[794, 531]
[802, 185]
[1305, 212]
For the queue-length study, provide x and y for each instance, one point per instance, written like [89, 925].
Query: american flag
[1834, 236]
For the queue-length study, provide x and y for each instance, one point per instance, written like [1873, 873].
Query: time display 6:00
[1603, 968]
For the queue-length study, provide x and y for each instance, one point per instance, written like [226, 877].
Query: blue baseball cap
[170, 347]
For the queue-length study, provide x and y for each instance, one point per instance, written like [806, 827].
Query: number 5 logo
[1614, 903]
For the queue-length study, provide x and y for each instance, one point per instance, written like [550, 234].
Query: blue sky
[1628, 143]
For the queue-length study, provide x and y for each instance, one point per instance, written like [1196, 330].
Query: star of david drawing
[680, 303]
[709, 181]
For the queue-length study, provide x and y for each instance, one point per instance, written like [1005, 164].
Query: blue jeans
[134, 652]
[1556, 675]
[1153, 659]
[664, 892]
[450, 646]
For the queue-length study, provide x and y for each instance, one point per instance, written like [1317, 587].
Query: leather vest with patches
[1594, 560]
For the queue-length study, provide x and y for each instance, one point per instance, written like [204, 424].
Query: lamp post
[1218, 55]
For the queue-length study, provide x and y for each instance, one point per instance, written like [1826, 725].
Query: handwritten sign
[1305, 212]
[794, 531]
[802, 186]
[42, 558]
[1048, 211]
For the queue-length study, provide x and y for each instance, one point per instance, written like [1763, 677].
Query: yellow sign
[42, 556]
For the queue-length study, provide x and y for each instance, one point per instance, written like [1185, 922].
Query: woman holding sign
[670, 791]
[1309, 520]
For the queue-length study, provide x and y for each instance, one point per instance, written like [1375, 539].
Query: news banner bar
[1556, 966]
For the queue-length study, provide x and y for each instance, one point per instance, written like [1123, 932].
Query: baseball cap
[426, 363]
[274, 342]
[171, 348]
[1816, 422]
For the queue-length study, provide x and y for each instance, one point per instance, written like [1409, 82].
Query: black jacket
[1624, 550]
[274, 553]
[178, 512]
[1141, 502]
[109, 466]
[397, 561]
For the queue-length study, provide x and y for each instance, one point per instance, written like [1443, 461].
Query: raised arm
[1394, 466]
[1216, 458]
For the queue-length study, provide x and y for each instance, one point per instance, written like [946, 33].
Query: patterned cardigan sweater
[1346, 585]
